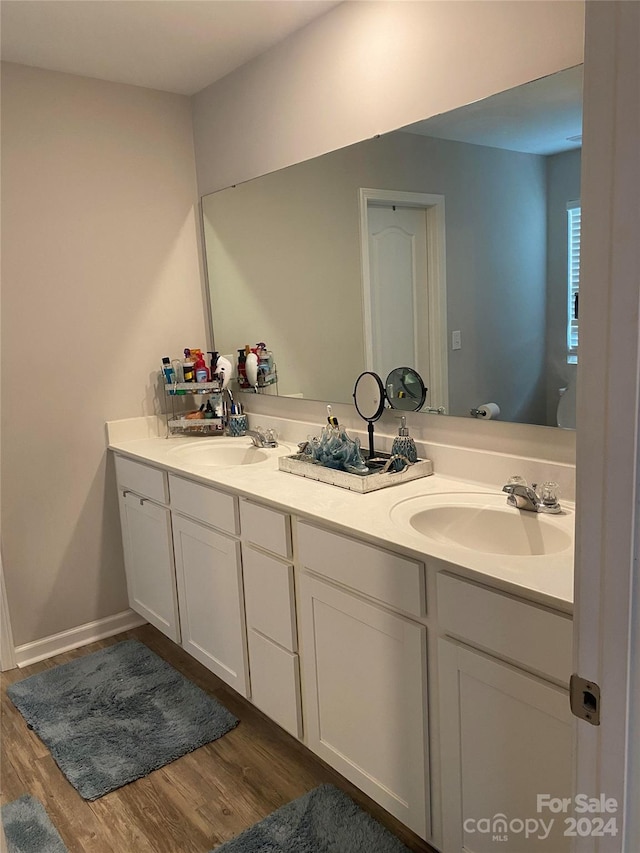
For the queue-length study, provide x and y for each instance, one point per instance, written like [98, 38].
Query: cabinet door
[148, 560]
[209, 575]
[505, 738]
[365, 695]
[269, 597]
[275, 682]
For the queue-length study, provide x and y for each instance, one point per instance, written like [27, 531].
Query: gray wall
[100, 279]
[372, 67]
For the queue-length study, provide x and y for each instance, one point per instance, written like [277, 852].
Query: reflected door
[398, 290]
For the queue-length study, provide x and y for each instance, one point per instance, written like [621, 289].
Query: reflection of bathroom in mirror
[443, 246]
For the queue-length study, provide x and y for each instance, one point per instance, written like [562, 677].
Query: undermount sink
[223, 452]
[484, 522]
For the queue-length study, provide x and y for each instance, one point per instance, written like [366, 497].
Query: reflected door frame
[438, 379]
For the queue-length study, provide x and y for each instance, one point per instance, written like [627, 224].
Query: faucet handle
[516, 480]
[548, 500]
[549, 493]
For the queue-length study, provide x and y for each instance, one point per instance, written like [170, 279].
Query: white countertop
[547, 579]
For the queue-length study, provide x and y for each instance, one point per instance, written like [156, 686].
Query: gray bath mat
[28, 829]
[323, 821]
[115, 715]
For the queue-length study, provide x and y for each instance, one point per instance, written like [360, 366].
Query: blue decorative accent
[28, 828]
[323, 821]
[403, 445]
[237, 425]
[117, 714]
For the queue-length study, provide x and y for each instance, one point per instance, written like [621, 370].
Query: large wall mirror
[445, 246]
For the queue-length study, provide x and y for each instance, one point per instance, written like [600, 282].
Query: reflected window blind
[573, 278]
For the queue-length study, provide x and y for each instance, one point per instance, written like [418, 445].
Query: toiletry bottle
[242, 373]
[213, 361]
[187, 367]
[168, 372]
[201, 369]
[251, 369]
[403, 445]
[263, 364]
[179, 373]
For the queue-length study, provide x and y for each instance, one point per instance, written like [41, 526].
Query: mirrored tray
[304, 467]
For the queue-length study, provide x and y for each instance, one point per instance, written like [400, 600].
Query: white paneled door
[209, 575]
[148, 560]
[404, 286]
[365, 694]
[507, 739]
[399, 304]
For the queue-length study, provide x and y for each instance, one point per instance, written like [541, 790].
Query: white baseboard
[47, 647]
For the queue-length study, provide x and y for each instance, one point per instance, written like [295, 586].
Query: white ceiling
[536, 118]
[173, 45]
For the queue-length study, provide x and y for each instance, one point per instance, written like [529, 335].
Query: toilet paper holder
[487, 411]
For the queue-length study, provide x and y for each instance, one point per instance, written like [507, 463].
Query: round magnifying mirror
[405, 389]
[368, 396]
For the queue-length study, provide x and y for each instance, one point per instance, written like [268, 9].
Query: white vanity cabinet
[147, 544]
[327, 635]
[364, 670]
[209, 578]
[505, 726]
[271, 614]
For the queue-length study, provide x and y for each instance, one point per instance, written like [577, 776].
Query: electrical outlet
[456, 340]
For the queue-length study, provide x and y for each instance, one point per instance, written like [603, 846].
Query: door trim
[608, 434]
[438, 380]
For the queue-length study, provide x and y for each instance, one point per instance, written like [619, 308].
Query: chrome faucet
[260, 438]
[522, 496]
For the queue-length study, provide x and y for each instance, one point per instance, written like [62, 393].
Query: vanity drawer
[387, 577]
[275, 682]
[516, 630]
[269, 597]
[266, 528]
[142, 479]
[204, 504]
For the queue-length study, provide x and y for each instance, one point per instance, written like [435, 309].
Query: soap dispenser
[403, 445]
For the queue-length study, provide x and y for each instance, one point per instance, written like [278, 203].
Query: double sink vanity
[418, 639]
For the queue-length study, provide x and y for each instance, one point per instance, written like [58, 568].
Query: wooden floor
[189, 806]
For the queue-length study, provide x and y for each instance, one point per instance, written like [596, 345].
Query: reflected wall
[283, 257]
